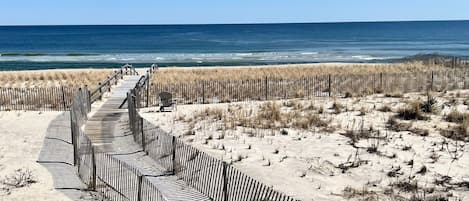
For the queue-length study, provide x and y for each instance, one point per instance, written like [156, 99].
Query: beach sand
[310, 164]
[302, 163]
[21, 138]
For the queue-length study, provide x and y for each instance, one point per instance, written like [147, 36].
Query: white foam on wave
[309, 53]
[202, 57]
[244, 54]
[363, 57]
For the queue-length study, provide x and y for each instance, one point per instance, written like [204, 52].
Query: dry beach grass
[403, 146]
[288, 71]
[53, 78]
[214, 85]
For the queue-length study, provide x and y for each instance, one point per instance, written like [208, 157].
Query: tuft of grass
[393, 95]
[268, 115]
[309, 121]
[348, 94]
[395, 125]
[20, 178]
[214, 113]
[363, 194]
[385, 108]
[321, 110]
[337, 107]
[459, 132]
[429, 106]
[466, 102]
[269, 111]
[456, 116]
[407, 186]
[412, 111]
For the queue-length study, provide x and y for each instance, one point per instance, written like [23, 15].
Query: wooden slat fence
[212, 177]
[223, 182]
[102, 172]
[316, 86]
[55, 98]
[115, 179]
[37, 99]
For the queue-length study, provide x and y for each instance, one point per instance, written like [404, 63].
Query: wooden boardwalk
[100, 127]
[108, 129]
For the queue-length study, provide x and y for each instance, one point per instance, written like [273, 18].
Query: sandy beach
[320, 158]
[351, 152]
[234, 101]
[21, 141]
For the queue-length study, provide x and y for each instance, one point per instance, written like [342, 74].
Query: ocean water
[43, 47]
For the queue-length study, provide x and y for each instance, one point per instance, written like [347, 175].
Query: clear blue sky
[40, 12]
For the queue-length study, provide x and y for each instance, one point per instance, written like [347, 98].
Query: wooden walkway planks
[105, 130]
[100, 127]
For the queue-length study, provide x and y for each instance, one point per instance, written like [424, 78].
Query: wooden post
[174, 154]
[431, 83]
[139, 188]
[381, 82]
[283, 89]
[93, 176]
[63, 98]
[74, 139]
[143, 135]
[109, 83]
[225, 181]
[100, 91]
[266, 88]
[88, 92]
[148, 91]
[329, 85]
[203, 92]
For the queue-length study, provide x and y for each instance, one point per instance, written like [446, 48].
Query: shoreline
[203, 63]
[331, 64]
[163, 66]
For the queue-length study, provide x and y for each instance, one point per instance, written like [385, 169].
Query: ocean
[48, 47]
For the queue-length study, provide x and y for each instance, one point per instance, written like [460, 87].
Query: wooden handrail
[98, 91]
[129, 68]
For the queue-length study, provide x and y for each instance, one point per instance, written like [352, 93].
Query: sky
[73, 12]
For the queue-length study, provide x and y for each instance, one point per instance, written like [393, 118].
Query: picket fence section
[317, 86]
[212, 177]
[102, 172]
[55, 98]
[37, 99]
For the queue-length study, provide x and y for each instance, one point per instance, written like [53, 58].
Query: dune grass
[290, 71]
[53, 78]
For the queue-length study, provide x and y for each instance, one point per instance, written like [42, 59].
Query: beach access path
[108, 130]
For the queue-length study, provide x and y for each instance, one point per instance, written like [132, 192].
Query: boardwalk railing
[105, 86]
[102, 172]
[212, 177]
[143, 86]
[316, 86]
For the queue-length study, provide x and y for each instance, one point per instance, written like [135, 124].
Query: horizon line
[247, 23]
